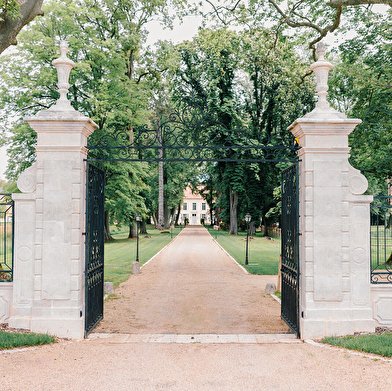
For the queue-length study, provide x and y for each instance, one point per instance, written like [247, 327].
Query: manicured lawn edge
[12, 340]
[378, 344]
[263, 254]
[242, 267]
[121, 252]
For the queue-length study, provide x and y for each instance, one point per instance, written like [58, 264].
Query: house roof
[188, 194]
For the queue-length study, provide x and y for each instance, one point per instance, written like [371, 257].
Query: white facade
[194, 207]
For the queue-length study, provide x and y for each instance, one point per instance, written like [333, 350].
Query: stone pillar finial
[321, 68]
[63, 65]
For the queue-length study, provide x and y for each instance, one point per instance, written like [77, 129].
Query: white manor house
[194, 208]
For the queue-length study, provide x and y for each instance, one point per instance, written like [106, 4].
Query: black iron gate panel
[6, 237]
[290, 248]
[381, 240]
[94, 273]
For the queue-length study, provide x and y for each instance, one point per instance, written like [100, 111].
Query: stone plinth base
[6, 289]
[135, 268]
[63, 328]
[382, 304]
[319, 328]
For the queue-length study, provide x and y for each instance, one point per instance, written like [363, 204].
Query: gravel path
[96, 365]
[193, 287]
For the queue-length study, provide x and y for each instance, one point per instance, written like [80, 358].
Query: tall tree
[107, 84]
[313, 19]
[255, 83]
[360, 86]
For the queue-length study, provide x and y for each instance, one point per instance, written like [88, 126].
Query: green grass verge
[263, 254]
[380, 344]
[121, 252]
[9, 340]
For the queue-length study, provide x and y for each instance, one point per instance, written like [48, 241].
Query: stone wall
[382, 304]
[6, 292]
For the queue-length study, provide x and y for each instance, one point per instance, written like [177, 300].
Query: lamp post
[248, 219]
[138, 218]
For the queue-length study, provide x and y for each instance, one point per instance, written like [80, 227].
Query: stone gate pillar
[335, 296]
[50, 219]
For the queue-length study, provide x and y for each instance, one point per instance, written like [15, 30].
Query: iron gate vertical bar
[290, 248]
[94, 267]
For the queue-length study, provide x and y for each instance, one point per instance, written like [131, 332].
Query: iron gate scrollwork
[94, 270]
[191, 133]
[290, 247]
[6, 237]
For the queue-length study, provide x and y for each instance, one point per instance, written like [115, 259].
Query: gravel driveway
[193, 286]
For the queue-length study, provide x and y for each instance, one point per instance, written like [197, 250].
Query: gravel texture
[193, 287]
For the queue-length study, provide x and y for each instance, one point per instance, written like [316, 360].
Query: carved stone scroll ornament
[358, 183]
[27, 181]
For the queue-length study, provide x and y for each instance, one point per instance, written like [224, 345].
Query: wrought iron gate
[95, 219]
[290, 248]
[6, 237]
[381, 240]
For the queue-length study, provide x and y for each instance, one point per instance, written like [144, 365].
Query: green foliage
[113, 83]
[9, 8]
[20, 151]
[369, 343]
[275, 212]
[126, 184]
[250, 79]
[15, 340]
[360, 86]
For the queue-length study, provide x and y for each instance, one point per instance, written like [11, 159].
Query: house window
[203, 216]
[194, 206]
[185, 216]
[203, 206]
[185, 206]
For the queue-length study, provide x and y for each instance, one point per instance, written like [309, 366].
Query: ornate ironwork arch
[190, 133]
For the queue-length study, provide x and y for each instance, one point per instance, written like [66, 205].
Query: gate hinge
[84, 233]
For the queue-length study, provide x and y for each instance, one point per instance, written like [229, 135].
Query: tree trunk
[132, 231]
[143, 227]
[265, 233]
[178, 213]
[233, 212]
[166, 216]
[155, 218]
[107, 234]
[160, 182]
[9, 27]
[252, 228]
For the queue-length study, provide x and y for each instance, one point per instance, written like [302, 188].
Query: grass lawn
[263, 254]
[121, 252]
[17, 340]
[380, 344]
